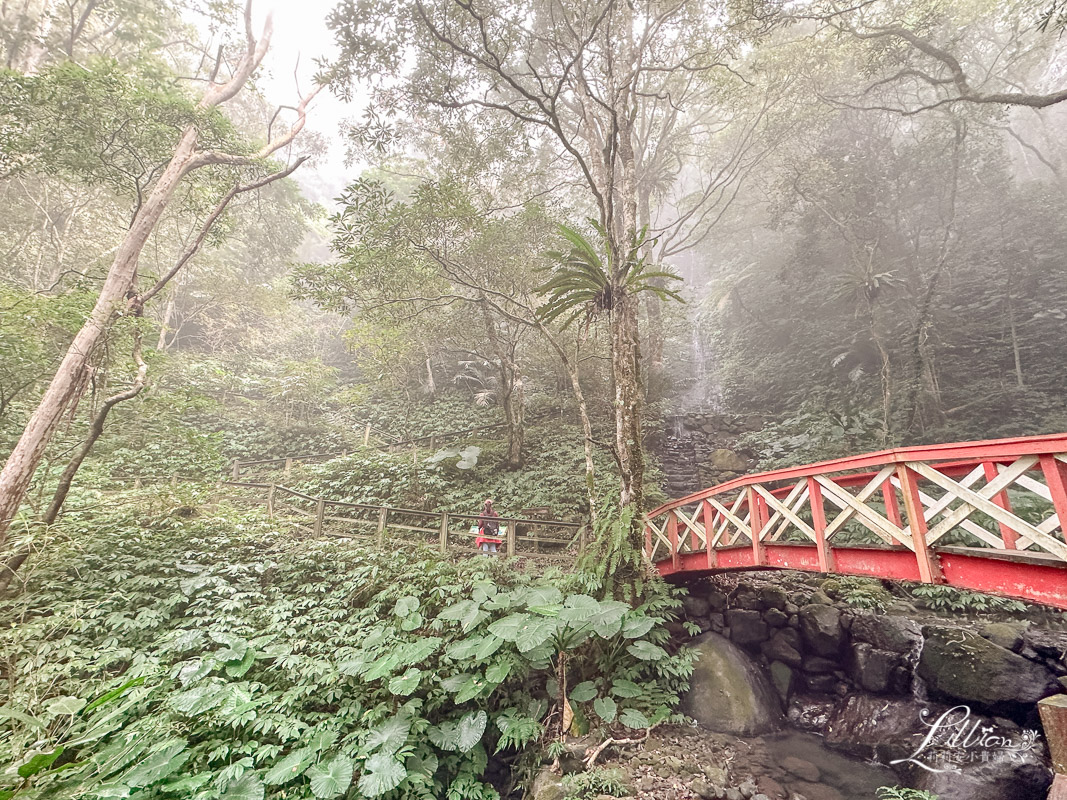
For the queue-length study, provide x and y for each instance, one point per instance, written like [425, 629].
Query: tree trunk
[626, 376]
[95, 430]
[68, 381]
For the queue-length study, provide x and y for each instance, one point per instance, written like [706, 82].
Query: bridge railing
[917, 513]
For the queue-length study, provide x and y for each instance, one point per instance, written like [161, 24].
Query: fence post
[320, 509]
[173, 481]
[136, 483]
[270, 502]
[383, 515]
[288, 466]
[757, 519]
[414, 455]
[236, 470]
[366, 436]
[444, 532]
[433, 441]
[511, 538]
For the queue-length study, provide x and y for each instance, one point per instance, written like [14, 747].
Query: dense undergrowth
[157, 650]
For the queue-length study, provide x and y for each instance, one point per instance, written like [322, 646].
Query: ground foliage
[160, 651]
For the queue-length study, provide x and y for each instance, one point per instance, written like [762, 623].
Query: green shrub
[599, 781]
[949, 598]
[154, 650]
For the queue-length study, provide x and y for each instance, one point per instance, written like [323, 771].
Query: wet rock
[791, 608]
[821, 684]
[717, 622]
[783, 679]
[1008, 635]
[961, 665]
[771, 788]
[572, 759]
[819, 597]
[748, 789]
[729, 693]
[820, 626]
[717, 601]
[895, 634]
[870, 667]
[733, 794]
[746, 627]
[803, 769]
[1001, 777]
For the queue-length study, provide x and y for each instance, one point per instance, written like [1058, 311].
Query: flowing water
[852, 778]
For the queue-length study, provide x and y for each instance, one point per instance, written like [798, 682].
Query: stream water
[852, 778]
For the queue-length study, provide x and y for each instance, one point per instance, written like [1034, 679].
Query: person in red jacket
[488, 529]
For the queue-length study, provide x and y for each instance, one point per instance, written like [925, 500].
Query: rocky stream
[798, 695]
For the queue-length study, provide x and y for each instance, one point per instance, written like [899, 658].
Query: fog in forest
[580, 257]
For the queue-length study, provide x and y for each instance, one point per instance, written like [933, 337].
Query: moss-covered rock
[960, 665]
[729, 693]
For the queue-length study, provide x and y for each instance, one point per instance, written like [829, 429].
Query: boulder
[1008, 635]
[725, 460]
[820, 627]
[728, 692]
[895, 634]
[960, 665]
[746, 627]
[547, 785]
[773, 597]
[870, 667]
[1050, 644]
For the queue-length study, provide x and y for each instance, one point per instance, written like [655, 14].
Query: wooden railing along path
[544, 539]
[985, 515]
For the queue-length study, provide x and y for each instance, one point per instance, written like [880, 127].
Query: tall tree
[587, 78]
[118, 294]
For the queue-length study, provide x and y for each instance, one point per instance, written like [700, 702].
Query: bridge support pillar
[1053, 712]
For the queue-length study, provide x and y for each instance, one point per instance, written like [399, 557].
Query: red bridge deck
[987, 516]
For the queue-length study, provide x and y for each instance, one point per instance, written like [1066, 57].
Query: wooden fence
[546, 540]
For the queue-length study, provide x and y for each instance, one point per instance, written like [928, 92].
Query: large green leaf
[406, 605]
[646, 651]
[583, 692]
[634, 627]
[578, 608]
[382, 773]
[632, 718]
[605, 708]
[67, 705]
[469, 730]
[405, 684]
[292, 766]
[247, 787]
[39, 762]
[331, 779]
[625, 688]
[389, 736]
[158, 765]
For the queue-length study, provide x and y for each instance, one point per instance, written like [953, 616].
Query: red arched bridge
[988, 516]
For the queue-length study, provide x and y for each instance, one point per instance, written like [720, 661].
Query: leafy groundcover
[182, 655]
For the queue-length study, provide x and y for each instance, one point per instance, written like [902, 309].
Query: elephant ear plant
[235, 666]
